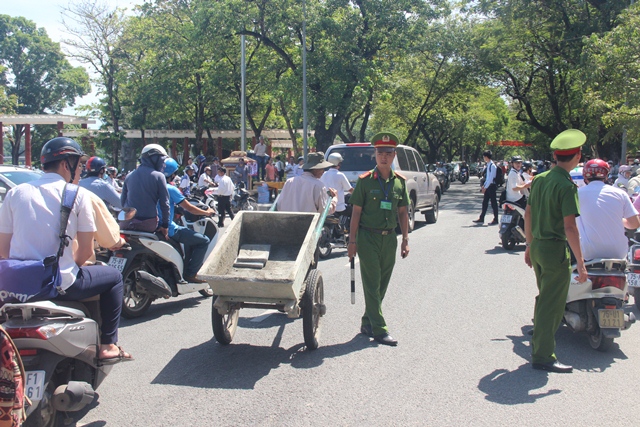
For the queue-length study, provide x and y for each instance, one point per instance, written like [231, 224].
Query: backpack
[12, 379]
[499, 179]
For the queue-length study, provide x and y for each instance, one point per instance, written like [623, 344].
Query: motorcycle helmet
[335, 159]
[596, 169]
[516, 159]
[95, 165]
[170, 167]
[200, 159]
[527, 165]
[59, 148]
[153, 149]
[112, 169]
[624, 168]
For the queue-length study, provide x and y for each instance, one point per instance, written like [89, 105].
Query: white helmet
[335, 159]
[151, 149]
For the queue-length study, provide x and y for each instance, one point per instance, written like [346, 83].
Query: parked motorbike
[59, 344]
[595, 306]
[512, 226]
[241, 201]
[463, 176]
[153, 267]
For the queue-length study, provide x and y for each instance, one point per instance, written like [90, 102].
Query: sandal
[122, 356]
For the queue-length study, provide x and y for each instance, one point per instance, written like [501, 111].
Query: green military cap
[568, 142]
[384, 140]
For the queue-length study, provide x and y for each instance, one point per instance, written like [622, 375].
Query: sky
[48, 14]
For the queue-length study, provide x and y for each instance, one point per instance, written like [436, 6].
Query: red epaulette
[364, 175]
[401, 176]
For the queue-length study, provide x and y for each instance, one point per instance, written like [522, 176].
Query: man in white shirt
[261, 156]
[298, 169]
[605, 211]
[185, 182]
[225, 191]
[489, 190]
[29, 221]
[306, 193]
[515, 184]
[333, 178]
[205, 179]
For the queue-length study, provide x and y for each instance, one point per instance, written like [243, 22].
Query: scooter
[241, 201]
[58, 342]
[334, 234]
[512, 226]
[595, 306]
[633, 273]
[464, 176]
[152, 267]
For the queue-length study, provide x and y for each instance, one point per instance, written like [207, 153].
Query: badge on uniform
[385, 205]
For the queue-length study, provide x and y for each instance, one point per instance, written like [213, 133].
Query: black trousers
[224, 205]
[490, 195]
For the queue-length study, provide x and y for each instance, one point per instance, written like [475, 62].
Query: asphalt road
[460, 307]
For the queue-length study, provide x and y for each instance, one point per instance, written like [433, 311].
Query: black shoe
[366, 330]
[530, 332]
[494, 222]
[220, 225]
[386, 339]
[478, 221]
[553, 367]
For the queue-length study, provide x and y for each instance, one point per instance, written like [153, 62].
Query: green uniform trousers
[377, 255]
[550, 260]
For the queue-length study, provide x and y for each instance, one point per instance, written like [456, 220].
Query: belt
[382, 231]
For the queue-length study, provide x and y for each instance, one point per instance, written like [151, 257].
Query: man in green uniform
[550, 221]
[380, 196]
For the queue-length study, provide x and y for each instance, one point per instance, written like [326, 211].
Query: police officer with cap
[550, 222]
[380, 196]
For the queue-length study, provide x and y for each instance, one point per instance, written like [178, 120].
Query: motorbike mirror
[430, 168]
[122, 215]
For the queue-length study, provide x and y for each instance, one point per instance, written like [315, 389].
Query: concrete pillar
[27, 145]
[92, 147]
[1, 145]
[60, 127]
[185, 151]
[219, 148]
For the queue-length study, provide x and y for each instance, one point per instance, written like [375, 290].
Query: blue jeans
[262, 162]
[106, 282]
[195, 248]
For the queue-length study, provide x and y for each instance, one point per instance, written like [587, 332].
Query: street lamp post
[304, 79]
[243, 101]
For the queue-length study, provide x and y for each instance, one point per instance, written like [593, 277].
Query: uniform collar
[561, 171]
[52, 176]
[374, 174]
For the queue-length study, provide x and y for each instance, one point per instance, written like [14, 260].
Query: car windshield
[20, 177]
[356, 159]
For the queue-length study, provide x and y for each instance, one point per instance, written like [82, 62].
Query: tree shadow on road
[241, 366]
[169, 307]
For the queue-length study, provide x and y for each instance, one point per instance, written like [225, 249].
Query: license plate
[117, 262]
[506, 219]
[611, 318]
[34, 386]
[633, 279]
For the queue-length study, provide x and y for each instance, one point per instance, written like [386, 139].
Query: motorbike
[512, 226]
[633, 274]
[463, 176]
[152, 267]
[59, 344]
[596, 306]
[241, 200]
[334, 235]
[443, 178]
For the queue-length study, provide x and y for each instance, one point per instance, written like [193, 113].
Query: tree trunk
[292, 134]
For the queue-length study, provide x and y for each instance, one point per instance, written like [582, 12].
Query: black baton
[353, 281]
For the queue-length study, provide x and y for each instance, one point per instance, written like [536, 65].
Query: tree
[95, 29]
[35, 73]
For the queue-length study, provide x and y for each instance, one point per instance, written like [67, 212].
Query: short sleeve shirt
[370, 191]
[553, 197]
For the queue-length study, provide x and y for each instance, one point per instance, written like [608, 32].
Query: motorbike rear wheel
[45, 415]
[249, 205]
[324, 243]
[598, 341]
[224, 327]
[134, 303]
[508, 241]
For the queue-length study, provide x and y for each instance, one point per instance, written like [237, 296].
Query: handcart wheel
[312, 308]
[224, 327]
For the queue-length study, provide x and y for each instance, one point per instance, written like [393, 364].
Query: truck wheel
[224, 327]
[135, 302]
[412, 214]
[312, 304]
[432, 216]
